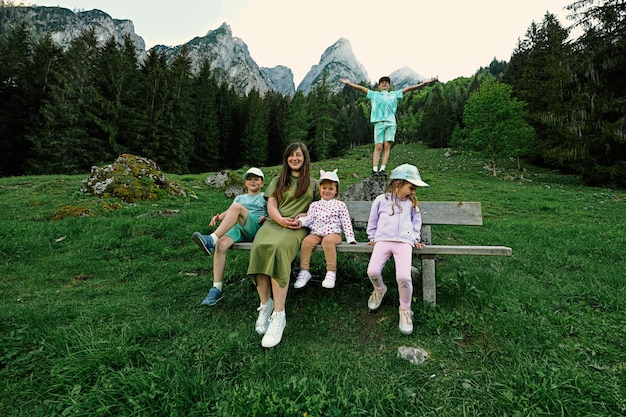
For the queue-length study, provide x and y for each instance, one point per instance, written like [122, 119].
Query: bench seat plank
[427, 250]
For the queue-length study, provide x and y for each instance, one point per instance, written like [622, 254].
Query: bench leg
[429, 284]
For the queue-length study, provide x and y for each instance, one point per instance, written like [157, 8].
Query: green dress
[275, 247]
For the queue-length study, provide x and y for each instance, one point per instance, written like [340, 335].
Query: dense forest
[560, 101]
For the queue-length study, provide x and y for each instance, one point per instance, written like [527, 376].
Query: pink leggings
[402, 255]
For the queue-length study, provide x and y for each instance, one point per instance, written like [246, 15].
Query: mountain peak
[405, 77]
[223, 29]
[337, 61]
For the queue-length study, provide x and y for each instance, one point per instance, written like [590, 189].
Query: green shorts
[246, 233]
[384, 132]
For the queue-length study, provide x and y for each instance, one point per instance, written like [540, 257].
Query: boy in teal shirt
[383, 116]
[239, 223]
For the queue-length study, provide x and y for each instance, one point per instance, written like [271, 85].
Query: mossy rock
[132, 178]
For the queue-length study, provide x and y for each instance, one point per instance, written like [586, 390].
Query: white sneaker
[329, 280]
[265, 311]
[376, 298]
[302, 279]
[406, 323]
[275, 330]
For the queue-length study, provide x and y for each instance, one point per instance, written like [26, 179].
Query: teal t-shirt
[256, 204]
[384, 105]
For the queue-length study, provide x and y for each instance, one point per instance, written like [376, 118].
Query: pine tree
[322, 112]
[297, 125]
[68, 141]
[177, 140]
[438, 120]
[15, 60]
[277, 113]
[596, 113]
[206, 155]
[252, 149]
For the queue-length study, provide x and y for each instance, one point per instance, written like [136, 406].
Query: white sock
[218, 285]
[214, 237]
[375, 169]
[331, 274]
[382, 167]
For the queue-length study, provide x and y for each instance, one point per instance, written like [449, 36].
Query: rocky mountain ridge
[228, 56]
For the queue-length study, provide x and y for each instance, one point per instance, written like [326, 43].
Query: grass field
[100, 315]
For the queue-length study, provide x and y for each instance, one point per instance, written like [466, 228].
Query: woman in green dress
[277, 243]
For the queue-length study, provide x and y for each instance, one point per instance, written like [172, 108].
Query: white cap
[330, 176]
[254, 171]
[409, 173]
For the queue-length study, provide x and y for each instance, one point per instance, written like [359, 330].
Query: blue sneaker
[214, 295]
[205, 242]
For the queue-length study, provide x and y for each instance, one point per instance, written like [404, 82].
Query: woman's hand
[290, 223]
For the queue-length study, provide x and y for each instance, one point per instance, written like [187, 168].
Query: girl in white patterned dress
[326, 218]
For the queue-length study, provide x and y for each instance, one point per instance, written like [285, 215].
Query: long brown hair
[391, 192]
[284, 178]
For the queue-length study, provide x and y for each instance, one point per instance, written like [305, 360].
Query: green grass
[101, 316]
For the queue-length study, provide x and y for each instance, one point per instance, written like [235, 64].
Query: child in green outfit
[239, 223]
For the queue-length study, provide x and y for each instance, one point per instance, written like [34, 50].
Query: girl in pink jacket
[393, 228]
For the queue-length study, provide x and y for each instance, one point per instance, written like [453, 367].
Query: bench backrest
[433, 212]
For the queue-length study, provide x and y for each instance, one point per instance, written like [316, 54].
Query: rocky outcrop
[366, 190]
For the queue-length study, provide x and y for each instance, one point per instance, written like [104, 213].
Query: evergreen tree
[177, 141]
[254, 140]
[277, 113]
[538, 73]
[116, 96]
[322, 112]
[15, 60]
[130, 116]
[230, 123]
[438, 120]
[596, 114]
[44, 76]
[154, 90]
[297, 125]
[206, 154]
[68, 141]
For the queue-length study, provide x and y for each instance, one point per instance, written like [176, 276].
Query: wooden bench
[433, 213]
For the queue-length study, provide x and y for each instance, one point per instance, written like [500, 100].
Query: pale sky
[445, 38]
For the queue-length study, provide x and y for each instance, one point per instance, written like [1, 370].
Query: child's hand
[371, 243]
[214, 220]
[419, 245]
